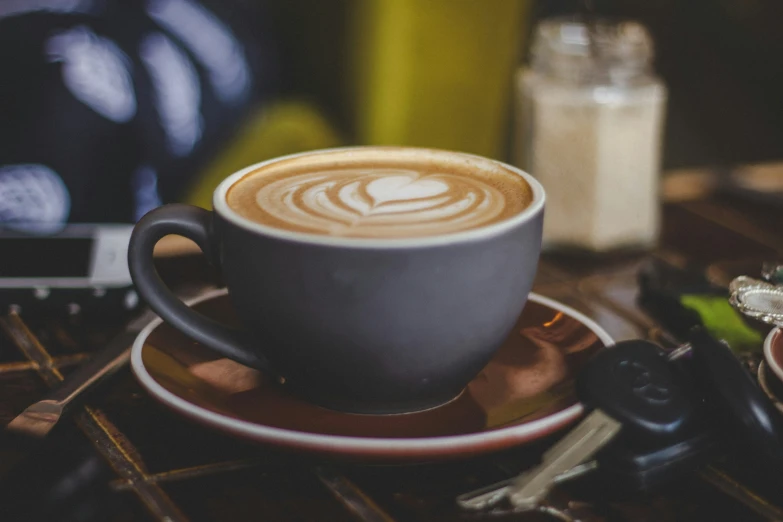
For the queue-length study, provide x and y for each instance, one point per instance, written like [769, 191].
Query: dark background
[722, 61]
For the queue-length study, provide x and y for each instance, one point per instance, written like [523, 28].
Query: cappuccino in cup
[373, 280]
[384, 198]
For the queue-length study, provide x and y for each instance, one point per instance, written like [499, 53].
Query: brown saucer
[524, 393]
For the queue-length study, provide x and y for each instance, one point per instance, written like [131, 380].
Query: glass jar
[589, 127]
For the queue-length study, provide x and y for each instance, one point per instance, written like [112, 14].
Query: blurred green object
[436, 73]
[723, 322]
[286, 127]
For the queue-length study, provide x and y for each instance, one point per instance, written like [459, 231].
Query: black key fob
[665, 431]
[740, 408]
[634, 383]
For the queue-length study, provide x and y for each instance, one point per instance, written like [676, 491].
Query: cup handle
[196, 224]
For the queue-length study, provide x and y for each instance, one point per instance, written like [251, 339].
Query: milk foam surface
[378, 201]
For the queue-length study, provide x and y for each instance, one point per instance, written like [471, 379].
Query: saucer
[524, 393]
[773, 352]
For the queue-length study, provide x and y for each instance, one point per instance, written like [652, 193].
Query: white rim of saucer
[769, 356]
[221, 207]
[344, 443]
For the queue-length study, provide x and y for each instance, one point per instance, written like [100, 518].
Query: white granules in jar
[594, 144]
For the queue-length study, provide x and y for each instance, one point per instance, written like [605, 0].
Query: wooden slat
[356, 501]
[114, 447]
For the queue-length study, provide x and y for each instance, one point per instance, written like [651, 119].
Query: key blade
[488, 496]
[581, 443]
[485, 497]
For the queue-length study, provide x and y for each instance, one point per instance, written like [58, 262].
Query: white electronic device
[82, 265]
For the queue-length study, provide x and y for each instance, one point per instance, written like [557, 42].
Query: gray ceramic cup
[360, 325]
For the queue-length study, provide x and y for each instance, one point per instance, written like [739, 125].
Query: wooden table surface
[130, 459]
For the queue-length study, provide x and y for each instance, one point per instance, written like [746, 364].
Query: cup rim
[220, 206]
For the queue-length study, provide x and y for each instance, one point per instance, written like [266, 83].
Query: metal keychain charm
[757, 299]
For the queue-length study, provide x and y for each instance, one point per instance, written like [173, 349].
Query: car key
[633, 389]
[736, 417]
[526, 491]
[744, 412]
[632, 465]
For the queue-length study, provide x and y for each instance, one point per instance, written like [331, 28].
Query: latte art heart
[403, 188]
[379, 202]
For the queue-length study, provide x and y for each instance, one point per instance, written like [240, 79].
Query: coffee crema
[379, 199]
